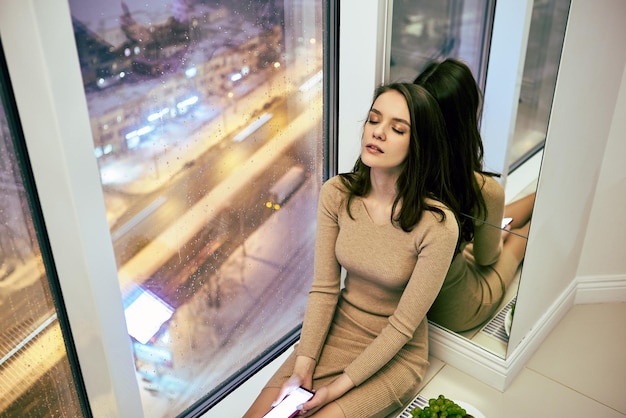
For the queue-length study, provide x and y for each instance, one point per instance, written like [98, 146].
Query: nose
[379, 132]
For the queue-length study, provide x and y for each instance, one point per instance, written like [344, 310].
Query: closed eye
[399, 131]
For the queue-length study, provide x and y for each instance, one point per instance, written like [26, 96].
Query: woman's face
[387, 133]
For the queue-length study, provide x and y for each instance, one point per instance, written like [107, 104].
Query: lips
[373, 147]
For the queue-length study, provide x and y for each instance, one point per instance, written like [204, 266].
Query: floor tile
[530, 395]
[435, 366]
[587, 353]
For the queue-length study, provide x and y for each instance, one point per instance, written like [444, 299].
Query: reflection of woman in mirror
[488, 260]
[364, 347]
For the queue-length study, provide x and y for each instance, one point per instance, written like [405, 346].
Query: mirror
[426, 30]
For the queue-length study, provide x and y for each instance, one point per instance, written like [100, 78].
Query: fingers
[313, 405]
[289, 386]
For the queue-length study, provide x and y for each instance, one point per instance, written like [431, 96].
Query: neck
[383, 186]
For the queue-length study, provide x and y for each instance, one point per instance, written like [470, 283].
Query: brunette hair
[453, 86]
[425, 169]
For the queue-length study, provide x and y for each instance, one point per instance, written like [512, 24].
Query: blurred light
[277, 64]
[312, 41]
[98, 152]
[145, 314]
[311, 82]
[107, 149]
[184, 104]
[248, 130]
[158, 115]
[245, 70]
[236, 77]
[191, 72]
[138, 132]
[153, 354]
[132, 142]
[144, 130]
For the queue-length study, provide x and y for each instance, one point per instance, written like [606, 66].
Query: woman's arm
[324, 292]
[488, 235]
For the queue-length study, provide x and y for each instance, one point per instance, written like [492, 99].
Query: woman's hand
[326, 394]
[321, 398]
[289, 386]
[302, 376]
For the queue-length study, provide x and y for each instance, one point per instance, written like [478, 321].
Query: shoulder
[333, 190]
[334, 187]
[490, 187]
[449, 223]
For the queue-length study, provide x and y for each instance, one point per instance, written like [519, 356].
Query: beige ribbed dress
[480, 273]
[375, 328]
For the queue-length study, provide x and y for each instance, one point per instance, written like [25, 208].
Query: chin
[365, 160]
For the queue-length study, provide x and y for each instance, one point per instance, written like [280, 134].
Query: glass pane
[424, 30]
[35, 374]
[543, 55]
[207, 121]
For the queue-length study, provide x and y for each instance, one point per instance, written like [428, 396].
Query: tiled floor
[578, 371]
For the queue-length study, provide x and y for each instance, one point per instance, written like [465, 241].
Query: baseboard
[601, 289]
[487, 367]
[517, 357]
[467, 356]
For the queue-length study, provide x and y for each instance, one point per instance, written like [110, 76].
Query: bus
[285, 187]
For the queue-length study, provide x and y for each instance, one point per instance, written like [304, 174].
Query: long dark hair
[425, 169]
[452, 84]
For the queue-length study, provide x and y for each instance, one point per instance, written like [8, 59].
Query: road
[146, 215]
[256, 287]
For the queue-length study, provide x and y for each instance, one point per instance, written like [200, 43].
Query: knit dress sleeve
[488, 235]
[325, 289]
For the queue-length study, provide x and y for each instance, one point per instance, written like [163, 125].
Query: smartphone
[506, 222]
[287, 408]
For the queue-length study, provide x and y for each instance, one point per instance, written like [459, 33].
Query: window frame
[24, 171]
[50, 100]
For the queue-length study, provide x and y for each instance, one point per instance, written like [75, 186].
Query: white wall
[362, 44]
[584, 134]
[603, 256]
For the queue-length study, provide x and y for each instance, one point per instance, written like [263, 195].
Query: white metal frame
[41, 55]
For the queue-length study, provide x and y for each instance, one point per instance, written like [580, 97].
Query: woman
[486, 265]
[364, 347]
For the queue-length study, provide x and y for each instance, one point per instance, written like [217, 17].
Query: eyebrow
[394, 119]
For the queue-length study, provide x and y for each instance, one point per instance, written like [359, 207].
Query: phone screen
[506, 222]
[287, 407]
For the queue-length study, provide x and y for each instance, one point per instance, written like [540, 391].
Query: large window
[37, 378]
[208, 128]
